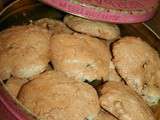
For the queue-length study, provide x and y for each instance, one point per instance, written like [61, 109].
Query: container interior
[26, 11]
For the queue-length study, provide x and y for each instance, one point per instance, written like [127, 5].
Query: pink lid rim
[94, 14]
[123, 4]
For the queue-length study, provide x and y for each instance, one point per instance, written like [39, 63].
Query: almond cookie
[80, 56]
[124, 103]
[24, 51]
[138, 64]
[54, 96]
[102, 30]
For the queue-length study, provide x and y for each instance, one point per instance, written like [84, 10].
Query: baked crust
[124, 103]
[80, 56]
[53, 26]
[102, 30]
[53, 96]
[24, 51]
[139, 65]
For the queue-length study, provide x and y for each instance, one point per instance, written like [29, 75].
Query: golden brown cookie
[138, 64]
[53, 26]
[14, 85]
[53, 96]
[124, 103]
[102, 30]
[24, 51]
[103, 115]
[80, 56]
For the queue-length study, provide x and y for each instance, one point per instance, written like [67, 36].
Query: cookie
[124, 103]
[54, 96]
[53, 26]
[24, 51]
[80, 56]
[138, 64]
[104, 30]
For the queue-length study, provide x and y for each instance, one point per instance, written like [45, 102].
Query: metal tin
[10, 109]
[4, 3]
[117, 11]
[1, 5]
[22, 12]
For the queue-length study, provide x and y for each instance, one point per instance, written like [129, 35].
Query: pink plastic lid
[117, 11]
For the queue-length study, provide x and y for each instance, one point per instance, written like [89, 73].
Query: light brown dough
[102, 30]
[139, 65]
[124, 103]
[102, 115]
[80, 56]
[53, 96]
[23, 51]
[53, 26]
[14, 85]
